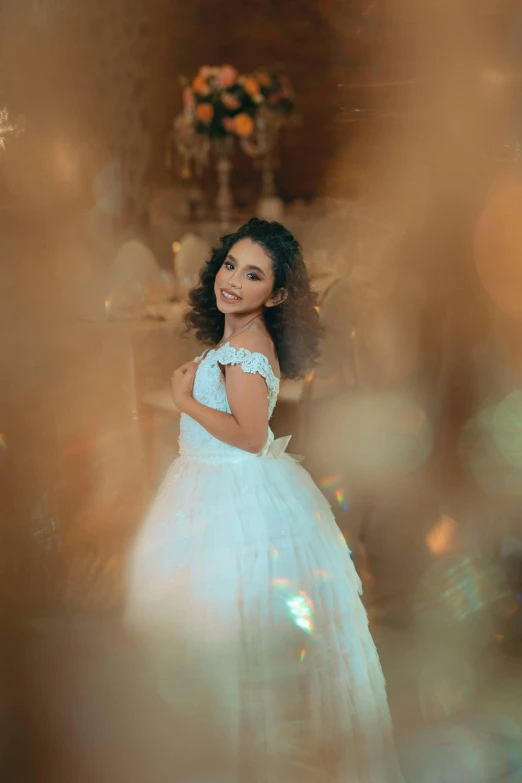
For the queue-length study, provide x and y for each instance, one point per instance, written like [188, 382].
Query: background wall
[100, 80]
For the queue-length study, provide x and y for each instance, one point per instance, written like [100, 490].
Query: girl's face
[245, 282]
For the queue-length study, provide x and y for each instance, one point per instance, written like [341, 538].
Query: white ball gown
[243, 589]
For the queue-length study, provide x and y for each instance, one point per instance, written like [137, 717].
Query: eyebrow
[249, 266]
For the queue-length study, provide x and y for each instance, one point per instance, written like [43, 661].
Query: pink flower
[228, 124]
[227, 76]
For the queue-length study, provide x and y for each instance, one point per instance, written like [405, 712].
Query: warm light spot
[441, 537]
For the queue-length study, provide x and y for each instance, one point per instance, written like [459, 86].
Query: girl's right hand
[182, 383]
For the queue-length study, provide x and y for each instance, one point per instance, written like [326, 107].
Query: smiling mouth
[229, 296]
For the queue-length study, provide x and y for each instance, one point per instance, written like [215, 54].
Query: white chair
[190, 258]
[133, 270]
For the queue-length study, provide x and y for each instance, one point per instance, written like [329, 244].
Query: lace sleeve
[252, 363]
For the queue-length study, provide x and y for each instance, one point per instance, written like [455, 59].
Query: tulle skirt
[243, 589]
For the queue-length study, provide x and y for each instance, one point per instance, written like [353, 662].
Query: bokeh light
[299, 606]
[441, 538]
[491, 446]
[507, 428]
[301, 610]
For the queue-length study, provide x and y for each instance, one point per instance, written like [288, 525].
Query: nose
[234, 281]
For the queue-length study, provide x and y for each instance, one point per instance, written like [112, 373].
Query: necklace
[234, 334]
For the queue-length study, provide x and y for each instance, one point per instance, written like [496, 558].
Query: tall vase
[223, 151]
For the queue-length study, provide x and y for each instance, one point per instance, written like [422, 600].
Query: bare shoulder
[257, 340]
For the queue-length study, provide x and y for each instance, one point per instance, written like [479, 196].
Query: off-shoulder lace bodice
[210, 390]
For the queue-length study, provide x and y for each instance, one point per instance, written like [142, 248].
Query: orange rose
[243, 125]
[251, 86]
[200, 85]
[204, 112]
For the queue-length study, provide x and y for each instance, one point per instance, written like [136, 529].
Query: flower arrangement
[276, 90]
[221, 103]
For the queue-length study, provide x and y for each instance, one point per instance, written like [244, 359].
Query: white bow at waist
[276, 448]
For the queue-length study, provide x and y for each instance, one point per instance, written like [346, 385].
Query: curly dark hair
[293, 325]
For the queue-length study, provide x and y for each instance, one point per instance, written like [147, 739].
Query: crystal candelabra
[192, 147]
[263, 146]
[223, 151]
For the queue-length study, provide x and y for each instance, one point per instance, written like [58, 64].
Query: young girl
[240, 581]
